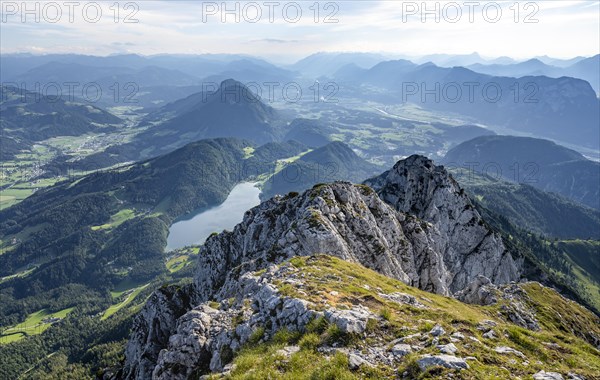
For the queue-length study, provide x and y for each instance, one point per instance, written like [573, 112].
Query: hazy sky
[277, 29]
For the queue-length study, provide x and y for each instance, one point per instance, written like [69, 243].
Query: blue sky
[526, 29]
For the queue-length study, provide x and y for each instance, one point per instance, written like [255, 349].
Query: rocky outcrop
[480, 291]
[515, 301]
[419, 227]
[343, 220]
[152, 328]
[469, 247]
[207, 336]
[447, 361]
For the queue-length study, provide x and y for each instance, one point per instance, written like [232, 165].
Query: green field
[181, 258]
[22, 273]
[248, 152]
[33, 325]
[13, 196]
[116, 220]
[282, 163]
[131, 294]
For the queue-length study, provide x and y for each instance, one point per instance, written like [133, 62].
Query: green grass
[181, 258]
[12, 196]
[178, 262]
[264, 362]
[286, 161]
[22, 273]
[248, 152]
[33, 325]
[342, 285]
[132, 293]
[116, 220]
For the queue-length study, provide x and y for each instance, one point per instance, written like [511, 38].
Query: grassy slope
[33, 325]
[343, 284]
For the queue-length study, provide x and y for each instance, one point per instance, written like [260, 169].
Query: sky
[288, 30]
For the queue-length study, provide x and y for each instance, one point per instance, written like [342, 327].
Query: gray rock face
[449, 348]
[341, 219]
[437, 330]
[151, 330]
[351, 321]
[401, 349]
[355, 361]
[480, 291]
[543, 375]
[206, 338]
[419, 227]
[447, 361]
[517, 310]
[509, 350]
[469, 248]
[405, 299]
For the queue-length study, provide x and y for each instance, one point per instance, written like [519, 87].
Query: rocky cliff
[417, 228]
[469, 247]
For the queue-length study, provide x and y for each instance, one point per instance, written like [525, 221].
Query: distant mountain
[195, 65]
[118, 85]
[323, 64]
[147, 81]
[559, 62]
[502, 61]
[587, 69]
[28, 117]
[310, 132]
[204, 65]
[539, 163]
[383, 72]
[451, 60]
[63, 72]
[250, 71]
[535, 104]
[530, 67]
[233, 110]
[334, 161]
[230, 111]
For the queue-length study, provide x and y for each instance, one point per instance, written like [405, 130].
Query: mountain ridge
[352, 224]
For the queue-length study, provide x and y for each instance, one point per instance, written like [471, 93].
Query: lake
[195, 230]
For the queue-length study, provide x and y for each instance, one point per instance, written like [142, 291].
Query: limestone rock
[470, 249]
[449, 348]
[400, 350]
[447, 361]
[352, 321]
[437, 330]
[509, 350]
[543, 375]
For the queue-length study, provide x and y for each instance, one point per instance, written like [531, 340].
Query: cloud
[119, 44]
[275, 41]
[565, 28]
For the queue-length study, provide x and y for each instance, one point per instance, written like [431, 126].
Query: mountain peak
[227, 83]
[417, 186]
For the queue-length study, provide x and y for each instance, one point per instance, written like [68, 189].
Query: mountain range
[535, 105]
[587, 69]
[539, 163]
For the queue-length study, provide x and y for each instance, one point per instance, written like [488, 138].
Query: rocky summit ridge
[413, 226]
